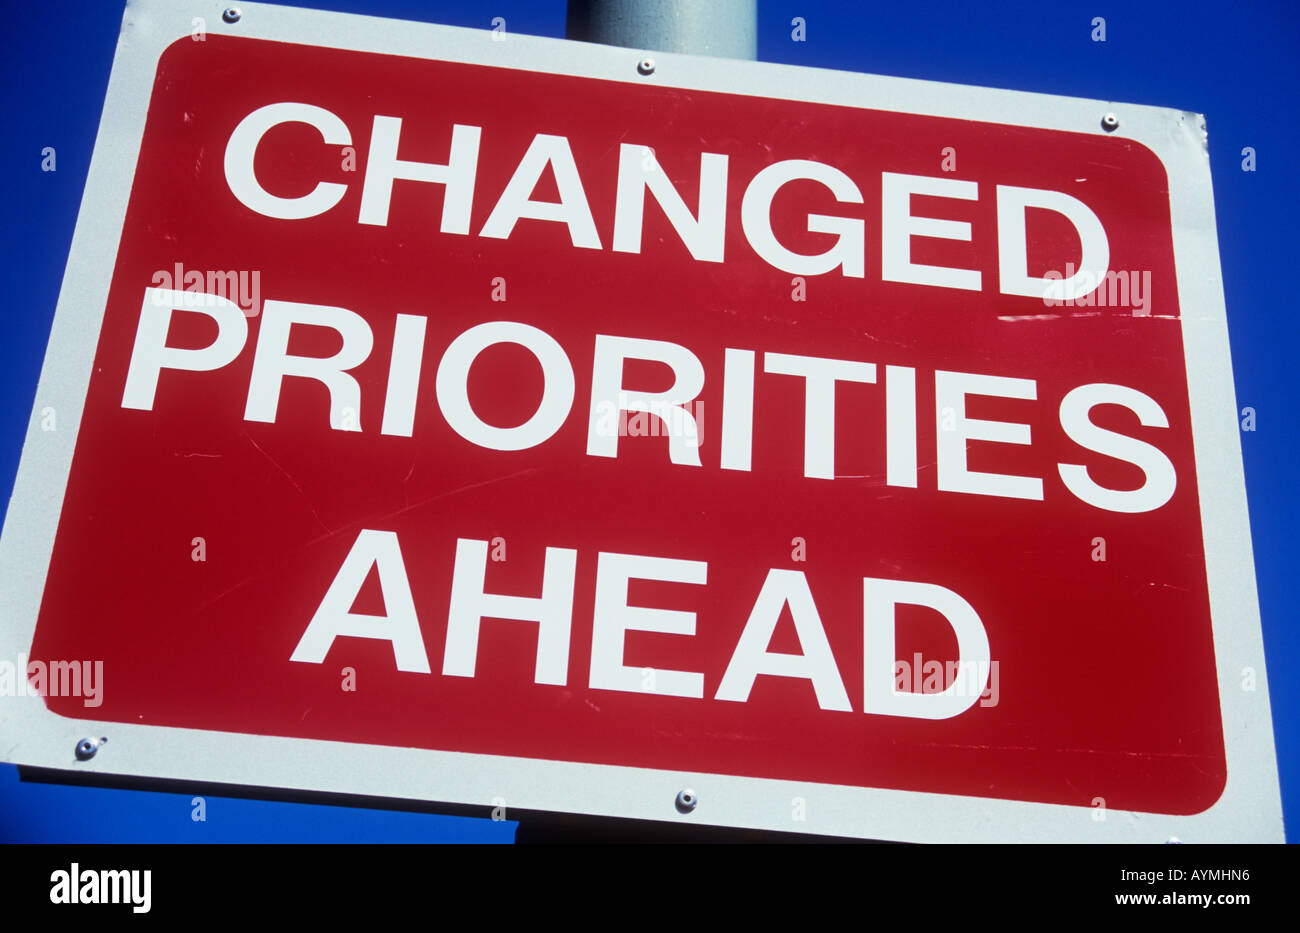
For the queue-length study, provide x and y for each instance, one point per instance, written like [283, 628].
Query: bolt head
[1110, 122]
[232, 14]
[86, 749]
[646, 66]
[686, 800]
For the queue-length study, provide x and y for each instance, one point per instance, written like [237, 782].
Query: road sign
[461, 416]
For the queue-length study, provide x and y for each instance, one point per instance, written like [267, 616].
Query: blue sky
[1236, 63]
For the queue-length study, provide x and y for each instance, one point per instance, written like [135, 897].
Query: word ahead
[783, 590]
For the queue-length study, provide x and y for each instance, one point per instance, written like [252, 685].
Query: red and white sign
[533, 419]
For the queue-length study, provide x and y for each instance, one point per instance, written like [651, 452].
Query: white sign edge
[1249, 809]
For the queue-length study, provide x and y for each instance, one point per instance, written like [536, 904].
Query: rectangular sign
[442, 414]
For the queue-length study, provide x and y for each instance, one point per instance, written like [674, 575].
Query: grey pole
[721, 28]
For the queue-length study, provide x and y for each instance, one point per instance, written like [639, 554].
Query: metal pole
[721, 28]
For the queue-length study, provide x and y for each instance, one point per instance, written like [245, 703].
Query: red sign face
[580, 420]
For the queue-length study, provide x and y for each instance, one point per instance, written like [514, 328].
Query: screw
[1110, 123]
[686, 800]
[646, 66]
[86, 748]
[231, 14]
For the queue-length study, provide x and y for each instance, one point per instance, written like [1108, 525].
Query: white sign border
[1250, 807]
